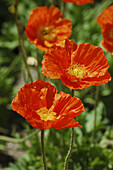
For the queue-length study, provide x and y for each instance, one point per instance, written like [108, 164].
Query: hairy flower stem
[52, 2]
[21, 41]
[71, 144]
[95, 113]
[62, 7]
[69, 151]
[72, 92]
[43, 149]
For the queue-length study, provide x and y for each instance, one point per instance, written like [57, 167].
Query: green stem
[95, 113]
[71, 144]
[72, 92]
[52, 2]
[43, 149]
[56, 2]
[98, 10]
[21, 41]
[70, 150]
[9, 139]
[62, 7]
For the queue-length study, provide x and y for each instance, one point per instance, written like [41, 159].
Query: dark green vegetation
[90, 153]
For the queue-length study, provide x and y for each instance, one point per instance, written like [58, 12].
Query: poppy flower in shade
[106, 17]
[105, 20]
[78, 66]
[108, 46]
[41, 105]
[107, 33]
[46, 27]
[79, 2]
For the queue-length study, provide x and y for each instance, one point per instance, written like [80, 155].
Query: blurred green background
[25, 154]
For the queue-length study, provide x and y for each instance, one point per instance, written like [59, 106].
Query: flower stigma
[48, 33]
[77, 70]
[46, 114]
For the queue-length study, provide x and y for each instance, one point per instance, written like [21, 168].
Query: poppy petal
[28, 98]
[106, 16]
[108, 46]
[65, 104]
[98, 80]
[65, 122]
[107, 32]
[40, 124]
[80, 65]
[26, 101]
[60, 101]
[72, 84]
[91, 56]
[46, 27]
[40, 105]
[57, 59]
[79, 2]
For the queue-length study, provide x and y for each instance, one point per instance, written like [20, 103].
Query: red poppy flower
[107, 33]
[79, 2]
[107, 45]
[78, 66]
[106, 17]
[42, 106]
[46, 27]
[105, 20]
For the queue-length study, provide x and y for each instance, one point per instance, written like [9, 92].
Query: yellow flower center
[48, 33]
[111, 33]
[77, 70]
[46, 114]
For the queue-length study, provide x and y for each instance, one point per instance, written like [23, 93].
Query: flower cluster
[77, 65]
[105, 20]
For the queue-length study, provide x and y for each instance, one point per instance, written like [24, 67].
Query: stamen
[77, 70]
[46, 114]
[48, 33]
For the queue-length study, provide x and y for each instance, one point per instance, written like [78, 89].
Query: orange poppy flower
[78, 66]
[107, 45]
[105, 20]
[106, 17]
[107, 33]
[41, 105]
[79, 2]
[46, 27]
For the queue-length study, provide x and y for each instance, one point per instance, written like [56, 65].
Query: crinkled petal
[46, 27]
[107, 32]
[84, 56]
[72, 84]
[106, 16]
[64, 104]
[40, 105]
[25, 103]
[65, 122]
[40, 124]
[108, 46]
[32, 97]
[92, 57]
[57, 59]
